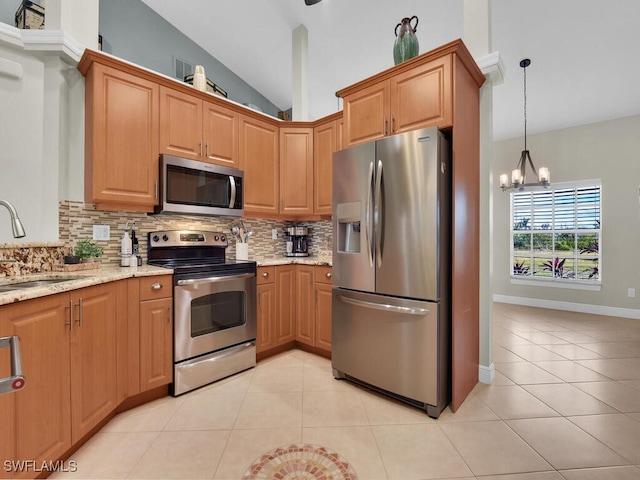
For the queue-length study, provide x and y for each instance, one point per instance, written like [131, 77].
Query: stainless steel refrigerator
[391, 267]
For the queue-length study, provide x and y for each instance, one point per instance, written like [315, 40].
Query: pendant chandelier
[518, 176]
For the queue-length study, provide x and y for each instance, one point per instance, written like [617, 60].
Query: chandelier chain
[525, 106]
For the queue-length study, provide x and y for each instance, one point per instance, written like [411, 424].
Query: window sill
[594, 287]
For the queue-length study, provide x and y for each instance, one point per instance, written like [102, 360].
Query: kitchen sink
[34, 283]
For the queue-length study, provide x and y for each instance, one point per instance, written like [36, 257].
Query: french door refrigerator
[391, 267]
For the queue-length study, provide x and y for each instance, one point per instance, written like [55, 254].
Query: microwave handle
[232, 181]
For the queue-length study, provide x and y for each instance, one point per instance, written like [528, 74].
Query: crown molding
[42, 42]
[492, 67]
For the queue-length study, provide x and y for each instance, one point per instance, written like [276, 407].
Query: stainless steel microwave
[191, 187]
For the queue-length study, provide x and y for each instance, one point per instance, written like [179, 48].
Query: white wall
[28, 177]
[607, 151]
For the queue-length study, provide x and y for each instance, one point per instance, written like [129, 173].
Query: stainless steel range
[214, 302]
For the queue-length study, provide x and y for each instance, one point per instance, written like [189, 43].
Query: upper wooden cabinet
[327, 139]
[296, 170]
[197, 129]
[259, 152]
[409, 100]
[121, 138]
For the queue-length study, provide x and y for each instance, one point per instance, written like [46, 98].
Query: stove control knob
[223, 238]
[216, 238]
[155, 238]
[165, 237]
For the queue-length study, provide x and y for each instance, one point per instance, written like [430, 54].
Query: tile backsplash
[76, 221]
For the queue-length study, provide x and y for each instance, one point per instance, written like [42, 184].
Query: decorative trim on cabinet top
[456, 47]
[492, 67]
[41, 41]
[91, 56]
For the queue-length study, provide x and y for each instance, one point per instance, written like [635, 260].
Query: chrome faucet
[16, 224]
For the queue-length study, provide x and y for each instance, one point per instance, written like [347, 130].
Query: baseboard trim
[486, 374]
[569, 306]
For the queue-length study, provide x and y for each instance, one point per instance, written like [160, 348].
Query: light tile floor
[565, 403]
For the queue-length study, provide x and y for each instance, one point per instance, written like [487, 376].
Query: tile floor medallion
[300, 462]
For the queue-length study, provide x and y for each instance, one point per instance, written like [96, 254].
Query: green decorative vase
[406, 44]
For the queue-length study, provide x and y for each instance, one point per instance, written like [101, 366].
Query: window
[555, 234]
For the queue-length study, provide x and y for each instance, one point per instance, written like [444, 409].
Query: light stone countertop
[73, 281]
[311, 260]
[105, 274]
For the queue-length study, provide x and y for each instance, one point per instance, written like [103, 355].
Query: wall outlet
[101, 232]
[631, 292]
[274, 234]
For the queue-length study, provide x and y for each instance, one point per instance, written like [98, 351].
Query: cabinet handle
[156, 189]
[385, 125]
[206, 150]
[81, 314]
[200, 147]
[156, 286]
[265, 274]
[70, 316]
[328, 275]
[393, 124]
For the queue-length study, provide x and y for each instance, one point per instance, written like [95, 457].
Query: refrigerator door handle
[367, 215]
[377, 215]
[385, 307]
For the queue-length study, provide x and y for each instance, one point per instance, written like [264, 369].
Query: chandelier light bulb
[516, 178]
[543, 175]
[504, 180]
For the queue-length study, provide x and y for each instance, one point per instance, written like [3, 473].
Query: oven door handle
[226, 278]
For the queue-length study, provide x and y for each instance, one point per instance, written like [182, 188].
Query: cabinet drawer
[323, 274]
[266, 275]
[155, 287]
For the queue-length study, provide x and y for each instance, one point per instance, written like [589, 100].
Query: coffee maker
[297, 245]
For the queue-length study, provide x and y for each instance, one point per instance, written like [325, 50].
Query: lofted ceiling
[583, 68]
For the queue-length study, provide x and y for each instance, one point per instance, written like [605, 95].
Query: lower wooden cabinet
[156, 332]
[93, 357]
[305, 332]
[38, 418]
[322, 292]
[313, 306]
[149, 334]
[276, 307]
[68, 350]
[266, 309]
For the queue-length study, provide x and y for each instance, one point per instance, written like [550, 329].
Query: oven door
[213, 313]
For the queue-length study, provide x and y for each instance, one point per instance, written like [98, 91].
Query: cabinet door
[266, 320]
[93, 357]
[296, 170]
[323, 316]
[367, 114]
[220, 132]
[324, 144]
[180, 124]
[156, 343]
[305, 311]
[259, 160]
[285, 304]
[40, 428]
[421, 97]
[121, 140]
